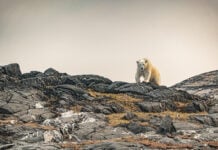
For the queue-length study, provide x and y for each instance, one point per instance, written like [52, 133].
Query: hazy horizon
[106, 37]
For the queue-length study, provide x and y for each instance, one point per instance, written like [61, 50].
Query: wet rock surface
[53, 110]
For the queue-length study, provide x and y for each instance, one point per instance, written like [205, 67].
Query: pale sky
[106, 37]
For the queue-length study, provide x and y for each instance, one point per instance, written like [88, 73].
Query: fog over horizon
[106, 37]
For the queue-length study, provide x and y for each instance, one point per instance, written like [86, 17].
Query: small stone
[129, 116]
[53, 136]
[39, 105]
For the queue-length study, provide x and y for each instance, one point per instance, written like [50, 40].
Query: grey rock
[114, 146]
[51, 72]
[211, 119]
[168, 140]
[12, 70]
[14, 108]
[33, 137]
[31, 74]
[208, 134]
[101, 87]
[213, 109]
[73, 90]
[151, 106]
[214, 118]
[185, 125]
[52, 136]
[48, 115]
[136, 128]
[107, 133]
[35, 146]
[166, 126]
[204, 85]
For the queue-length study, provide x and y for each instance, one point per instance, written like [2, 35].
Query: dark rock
[135, 128]
[12, 70]
[114, 146]
[196, 107]
[129, 116]
[41, 82]
[108, 108]
[133, 88]
[77, 92]
[31, 74]
[6, 146]
[101, 87]
[102, 109]
[171, 94]
[51, 72]
[155, 120]
[151, 106]
[166, 126]
[2, 71]
[86, 80]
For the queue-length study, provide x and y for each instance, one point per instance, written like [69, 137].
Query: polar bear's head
[142, 64]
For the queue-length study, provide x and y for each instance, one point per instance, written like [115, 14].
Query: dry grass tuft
[76, 108]
[71, 145]
[123, 100]
[130, 139]
[154, 144]
[37, 126]
[116, 119]
[213, 144]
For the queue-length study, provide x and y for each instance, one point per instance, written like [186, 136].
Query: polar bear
[146, 70]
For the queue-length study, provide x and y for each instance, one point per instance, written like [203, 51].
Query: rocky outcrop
[53, 110]
[204, 85]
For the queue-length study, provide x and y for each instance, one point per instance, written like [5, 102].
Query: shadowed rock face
[53, 110]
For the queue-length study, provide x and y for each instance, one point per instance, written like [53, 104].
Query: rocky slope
[53, 110]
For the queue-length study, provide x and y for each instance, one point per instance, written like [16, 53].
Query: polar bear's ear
[137, 62]
[145, 60]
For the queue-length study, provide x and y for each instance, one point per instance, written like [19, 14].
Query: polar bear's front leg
[147, 76]
[137, 77]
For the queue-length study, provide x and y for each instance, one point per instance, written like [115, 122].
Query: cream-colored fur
[146, 70]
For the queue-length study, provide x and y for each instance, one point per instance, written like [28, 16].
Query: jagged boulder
[166, 126]
[12, 70]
